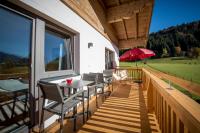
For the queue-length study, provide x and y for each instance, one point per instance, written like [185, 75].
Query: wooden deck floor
[124, 111]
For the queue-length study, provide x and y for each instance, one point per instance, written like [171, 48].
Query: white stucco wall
[91, 59]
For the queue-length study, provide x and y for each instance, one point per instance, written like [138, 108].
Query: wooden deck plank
[117, 114]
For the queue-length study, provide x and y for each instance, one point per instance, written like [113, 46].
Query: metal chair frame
[61, 104]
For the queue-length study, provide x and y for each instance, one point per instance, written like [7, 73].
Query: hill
[9, 60]
[180, 40]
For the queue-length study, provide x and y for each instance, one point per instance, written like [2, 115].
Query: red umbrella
[136, 54]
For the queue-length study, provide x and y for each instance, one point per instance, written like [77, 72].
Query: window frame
[112, 58]
[30, 67]
[63, 36]
[57, 31]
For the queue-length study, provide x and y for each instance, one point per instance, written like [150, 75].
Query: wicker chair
[60, 105]
[91, 90]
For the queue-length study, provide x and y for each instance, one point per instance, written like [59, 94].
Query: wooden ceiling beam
[126, 11]
[137, 24]
[131, 43]
[124, 25]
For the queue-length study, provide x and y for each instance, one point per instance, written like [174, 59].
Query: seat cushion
[116, 77]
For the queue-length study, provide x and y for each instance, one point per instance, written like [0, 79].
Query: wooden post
[150, 97]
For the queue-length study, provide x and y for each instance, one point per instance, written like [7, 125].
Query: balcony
[147, 106]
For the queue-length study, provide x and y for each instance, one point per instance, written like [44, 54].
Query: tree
[175, 39]
[195, 52]
[178, 50]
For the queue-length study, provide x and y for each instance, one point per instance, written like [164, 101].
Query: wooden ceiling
[125, 22]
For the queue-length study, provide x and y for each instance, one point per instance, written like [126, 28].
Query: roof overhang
[124, 22]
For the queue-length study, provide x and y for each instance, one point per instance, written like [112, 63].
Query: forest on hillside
[180, 40]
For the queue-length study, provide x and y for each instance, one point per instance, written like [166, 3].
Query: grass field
[188, 69]
[184, 91]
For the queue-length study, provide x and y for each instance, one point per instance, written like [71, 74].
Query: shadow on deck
[124, 111]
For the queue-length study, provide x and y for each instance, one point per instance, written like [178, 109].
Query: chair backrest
[89, 77]
[51, 91]
[100, 77]
[123, 74]
[108, 72]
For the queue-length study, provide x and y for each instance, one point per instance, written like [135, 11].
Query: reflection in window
[15, 42]
[15, 39]
[57, 52]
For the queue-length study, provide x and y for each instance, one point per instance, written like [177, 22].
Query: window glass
[15, 39]
[109, 55]
[57, 52]
[15, 42]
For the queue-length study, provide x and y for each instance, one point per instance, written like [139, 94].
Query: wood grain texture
[124, 22]
[184, 111]
[118, 113]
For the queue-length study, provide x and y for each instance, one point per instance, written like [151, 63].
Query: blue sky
[15, 35]
[168, 13]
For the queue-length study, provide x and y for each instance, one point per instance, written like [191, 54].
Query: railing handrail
[185, 108]
[134, 74]
[129, 68]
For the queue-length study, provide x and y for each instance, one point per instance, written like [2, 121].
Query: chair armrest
[108, 80]
[92, 86]
[73, 96]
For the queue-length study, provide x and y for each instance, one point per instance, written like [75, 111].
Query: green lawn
[185, 71]
[21, 69]
[184, 91]
[180, 67]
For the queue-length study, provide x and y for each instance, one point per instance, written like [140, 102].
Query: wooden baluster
[150, 97]
[154, 98]
[161, 114]
[164, 116]
[132, 74]
[169, 119]
[159, 100]
[173, 122]
[145, 79]
[156, 102]
[181, 126]
[158, 108]
[177, 125]
[186, 130]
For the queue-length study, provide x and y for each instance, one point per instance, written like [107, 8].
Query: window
[109, 58]
[15, 45]
[58, 51]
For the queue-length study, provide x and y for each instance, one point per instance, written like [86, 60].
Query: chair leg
[83, 108]
[61, 121]
[41, 122]
[112, 86]
[103, 95]
[97, 106]
[88, 108]
[74, 114]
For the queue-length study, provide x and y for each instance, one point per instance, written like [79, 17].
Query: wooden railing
[134, 74]
[175, 112]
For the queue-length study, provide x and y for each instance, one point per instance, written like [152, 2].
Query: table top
[12, 85]
[76, 84]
